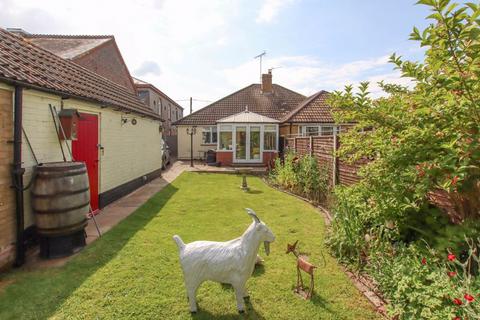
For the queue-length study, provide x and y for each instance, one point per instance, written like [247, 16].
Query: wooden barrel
[60, 198]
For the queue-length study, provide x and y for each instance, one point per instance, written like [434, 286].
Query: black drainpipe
[18, 172]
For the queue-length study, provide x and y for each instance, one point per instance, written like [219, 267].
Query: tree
[424, 142]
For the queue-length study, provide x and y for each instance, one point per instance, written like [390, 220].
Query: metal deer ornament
[229, 262]
[304, 265]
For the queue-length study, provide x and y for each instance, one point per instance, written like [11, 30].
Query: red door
[85, 149]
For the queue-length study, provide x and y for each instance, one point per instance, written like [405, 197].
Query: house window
[226, 141]
[311, 131]
[327, 130]
[270, 138]
[209, 135]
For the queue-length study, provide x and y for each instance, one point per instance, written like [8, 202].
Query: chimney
[267, 82]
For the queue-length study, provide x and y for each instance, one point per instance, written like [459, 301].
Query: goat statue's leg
[192, 292]
[239, 294]
[245, 293]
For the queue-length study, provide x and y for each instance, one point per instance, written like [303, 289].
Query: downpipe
[17, 176]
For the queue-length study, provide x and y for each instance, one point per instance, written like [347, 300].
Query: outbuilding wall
[130, 152]
[7, 196]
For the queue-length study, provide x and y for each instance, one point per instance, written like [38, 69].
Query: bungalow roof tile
[33, 66]
[274, 105]
[314, 109]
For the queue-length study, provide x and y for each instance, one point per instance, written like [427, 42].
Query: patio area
[133, 271]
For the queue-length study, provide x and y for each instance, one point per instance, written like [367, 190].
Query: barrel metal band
[57, 211]
[56, 174]
[60, 193]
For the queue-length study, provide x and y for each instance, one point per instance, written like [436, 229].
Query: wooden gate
[85, 149]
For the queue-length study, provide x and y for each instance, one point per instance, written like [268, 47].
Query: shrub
[312, 179]
[284, 171]
[423, 139]
[301, 176]
[422, 284]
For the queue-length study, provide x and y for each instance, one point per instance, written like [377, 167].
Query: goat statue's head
[266, 235]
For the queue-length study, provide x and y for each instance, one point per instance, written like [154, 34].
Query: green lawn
[133, 271]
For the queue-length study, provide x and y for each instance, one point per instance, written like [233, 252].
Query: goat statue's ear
[252, 214]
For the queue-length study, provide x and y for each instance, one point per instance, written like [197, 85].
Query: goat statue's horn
[252, 214]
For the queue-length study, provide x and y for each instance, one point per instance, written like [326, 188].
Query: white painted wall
[184, 143]
[129, 151]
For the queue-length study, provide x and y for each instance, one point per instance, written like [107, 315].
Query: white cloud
[189, 41]
[308, 74]
[148, 67]
[270, 9]
[175, 35]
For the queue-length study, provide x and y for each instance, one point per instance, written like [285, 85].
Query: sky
[205, 49]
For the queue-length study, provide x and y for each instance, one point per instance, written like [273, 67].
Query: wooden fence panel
[322, 147]
[302, 146]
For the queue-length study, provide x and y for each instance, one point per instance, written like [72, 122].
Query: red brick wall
[106, 61]
[225, 157]
[7, 204]
[268, 156]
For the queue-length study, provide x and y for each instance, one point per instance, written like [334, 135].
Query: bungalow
[312, 117]
[118, 135]
[246, 126]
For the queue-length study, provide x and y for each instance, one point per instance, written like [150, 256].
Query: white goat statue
[225, 262]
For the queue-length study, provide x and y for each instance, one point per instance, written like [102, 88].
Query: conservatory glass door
[241, 143]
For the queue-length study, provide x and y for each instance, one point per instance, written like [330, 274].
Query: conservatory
[247, 138]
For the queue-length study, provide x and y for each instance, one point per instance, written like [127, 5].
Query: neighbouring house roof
[314, 109]
[247, 117]
[67, 46]
[22, 62]
[78, 47]
[140, 84]
[274, 105]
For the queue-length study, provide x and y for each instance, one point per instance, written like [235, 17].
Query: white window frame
[263, 137]
[210, 130]
[224, 128]
[303, 129]
[233, 126]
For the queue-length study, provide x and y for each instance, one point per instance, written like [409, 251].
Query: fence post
[311, 145]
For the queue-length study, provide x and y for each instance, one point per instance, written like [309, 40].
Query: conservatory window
[226, 141]
[270, 138]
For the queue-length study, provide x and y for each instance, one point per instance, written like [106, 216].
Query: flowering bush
[427, 285]
[423, 140]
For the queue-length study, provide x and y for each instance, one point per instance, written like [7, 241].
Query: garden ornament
[302, 264]
[244, 185]
[229, 262]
